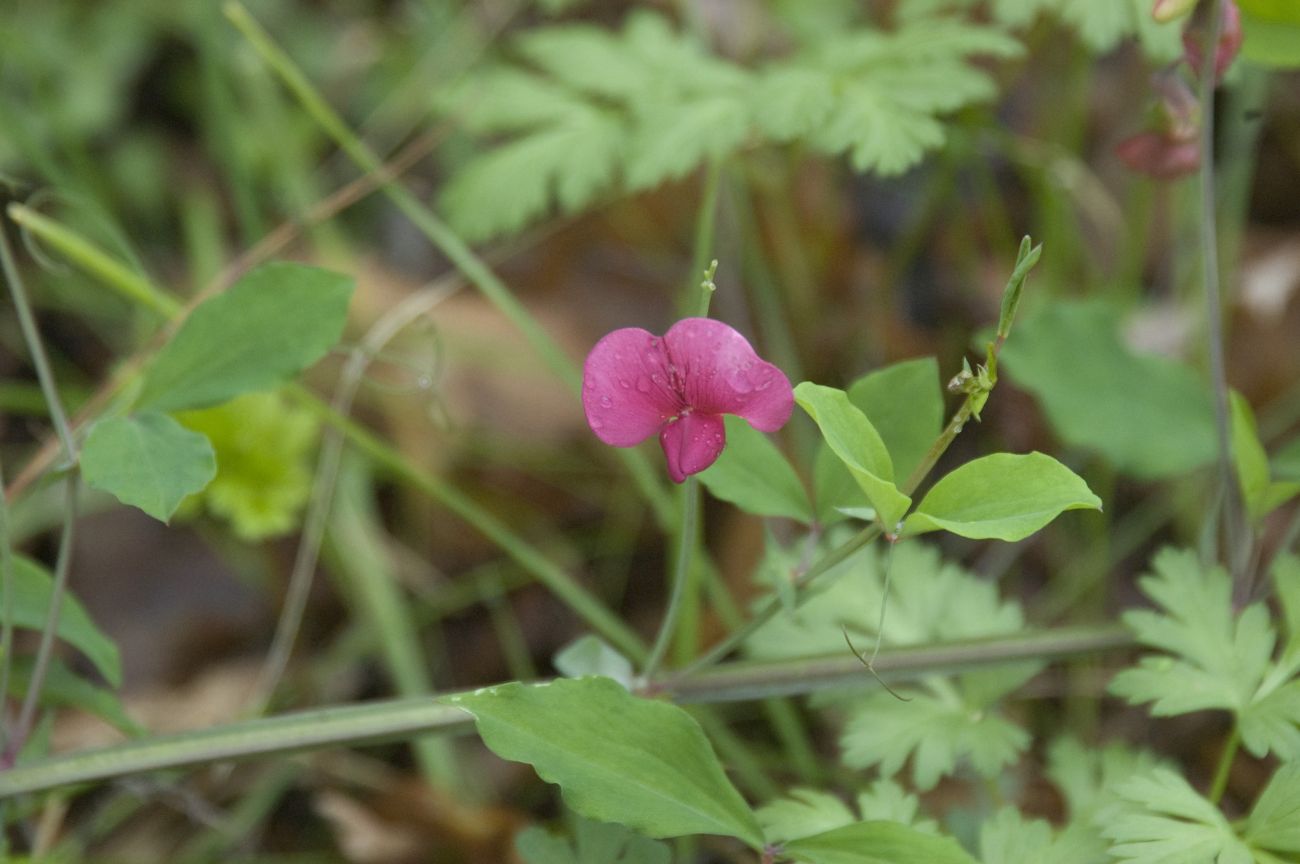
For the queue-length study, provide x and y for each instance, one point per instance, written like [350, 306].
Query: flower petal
[692, 443]
[626, 387]
[721, 374]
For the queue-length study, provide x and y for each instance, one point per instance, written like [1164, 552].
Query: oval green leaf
[616, 757]
[904, 401]
[1005, 496]
[147, 460]
[268, 327]
[33, 590]
[752, 474]
[1149, 416]
[877, 843]
[856, 442]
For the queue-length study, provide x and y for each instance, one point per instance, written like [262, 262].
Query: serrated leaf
[674, 136]
[616, 757]
[1272, 722]
[849, 433]
[806, 812]
[266, 328]
[752, 474]
[32, 593]
[147, 460]
[1163, 820]
[803, 813]
[1274, 822]
[1004, 496]
[594, 843]
[1195, 625]
[571, 162]
[1149, 416]
[936, 731]
[877, 843]
[1009, 838]
[1212, 658]
[932, 600]
[904, 401]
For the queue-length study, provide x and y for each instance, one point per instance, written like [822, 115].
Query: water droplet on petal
[625, 384]
[643, 384]
[596, 424]
[606, 402]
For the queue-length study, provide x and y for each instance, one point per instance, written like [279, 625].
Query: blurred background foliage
[153, 130]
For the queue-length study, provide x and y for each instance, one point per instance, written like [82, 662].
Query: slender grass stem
[327, 468]
[1223, 770]
[402, 718]
[1235, 531]
[681, 575]
[63, 559]
[6, 613]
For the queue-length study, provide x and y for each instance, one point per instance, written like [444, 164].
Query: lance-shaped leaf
[268, 327]
[33, 590]
[877, 843]
[859, 446]
[616, 757]
[1004, 496]
[147, 460]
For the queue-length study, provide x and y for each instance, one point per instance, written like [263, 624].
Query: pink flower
[635, 384]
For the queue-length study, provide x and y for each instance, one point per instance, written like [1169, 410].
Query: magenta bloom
[635, 384]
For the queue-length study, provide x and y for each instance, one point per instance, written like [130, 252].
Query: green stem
[1235, 531]
[115, 275]
[681, 575]
[6, 612]
[1220, 783]
[63, 560]
[441, 235]
[706, 226]
[403, 718]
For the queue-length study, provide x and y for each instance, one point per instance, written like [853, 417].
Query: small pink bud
[1158, 155]
[1225, 51]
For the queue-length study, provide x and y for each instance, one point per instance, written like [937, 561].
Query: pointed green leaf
[877, 843]
[33, 590]
[752, 474]
[856, 442]
[616, 757]
[147, 460]
[1162, 818]
[904, 401]
[1274, 822]
[1004, 496]
[269, 326]
[65, 689]
[1261, 494]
